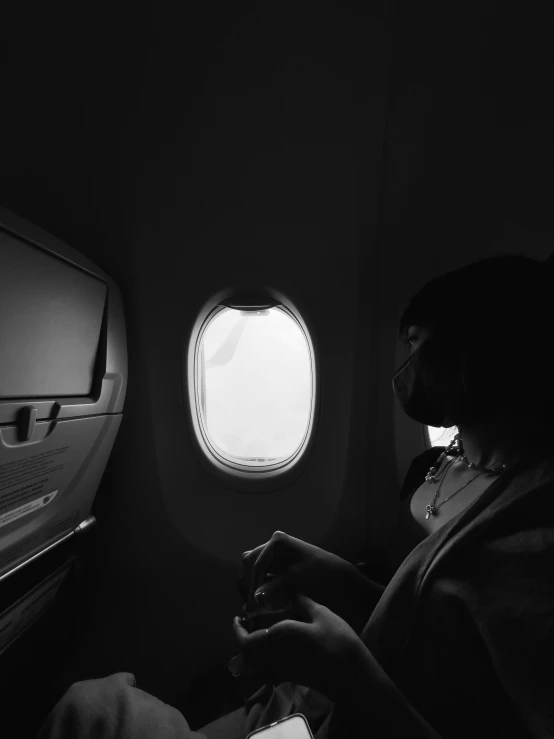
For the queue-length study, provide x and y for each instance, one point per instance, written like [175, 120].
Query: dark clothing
[465, 629]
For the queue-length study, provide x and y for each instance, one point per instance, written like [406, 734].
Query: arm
[371, 703]
[359, 598]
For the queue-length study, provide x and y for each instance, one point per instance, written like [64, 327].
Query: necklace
[455, 447]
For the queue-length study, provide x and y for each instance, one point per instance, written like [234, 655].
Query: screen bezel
[258, 732]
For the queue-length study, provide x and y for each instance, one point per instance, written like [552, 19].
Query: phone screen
[291, 727]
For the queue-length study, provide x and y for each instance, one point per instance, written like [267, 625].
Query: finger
[248, 559]
[127, 678]
[306, 607]
[278, 592]
[240, 632]
[267, 559]
[254, 645]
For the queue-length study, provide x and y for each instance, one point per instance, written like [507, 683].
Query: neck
[496, 441]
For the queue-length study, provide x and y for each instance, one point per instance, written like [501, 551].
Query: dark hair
[495, 317]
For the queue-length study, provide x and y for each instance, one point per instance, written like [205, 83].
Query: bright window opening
[255, 385]
[441, 436]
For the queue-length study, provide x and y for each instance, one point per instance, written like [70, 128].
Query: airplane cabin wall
[185, 153]
[195, 168]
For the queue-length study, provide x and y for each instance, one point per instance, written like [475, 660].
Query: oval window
[255, 385]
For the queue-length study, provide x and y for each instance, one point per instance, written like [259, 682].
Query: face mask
[420, 385]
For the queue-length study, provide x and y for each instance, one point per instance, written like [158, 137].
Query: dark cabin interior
[121, 121]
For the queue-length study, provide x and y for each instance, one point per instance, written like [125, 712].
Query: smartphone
[291, 727]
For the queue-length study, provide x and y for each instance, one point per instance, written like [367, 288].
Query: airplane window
[255, 385]
[441, 436]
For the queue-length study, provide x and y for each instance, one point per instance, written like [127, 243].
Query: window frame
[239, 475]
[426, 436]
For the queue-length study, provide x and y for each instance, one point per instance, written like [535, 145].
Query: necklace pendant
[430, 510]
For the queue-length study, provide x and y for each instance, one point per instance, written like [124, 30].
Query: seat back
[63, 378]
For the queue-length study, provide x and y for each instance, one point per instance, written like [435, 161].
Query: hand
[302, 567]
[321, 651]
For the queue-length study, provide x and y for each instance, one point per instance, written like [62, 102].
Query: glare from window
[441, 436]
[255, 384]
